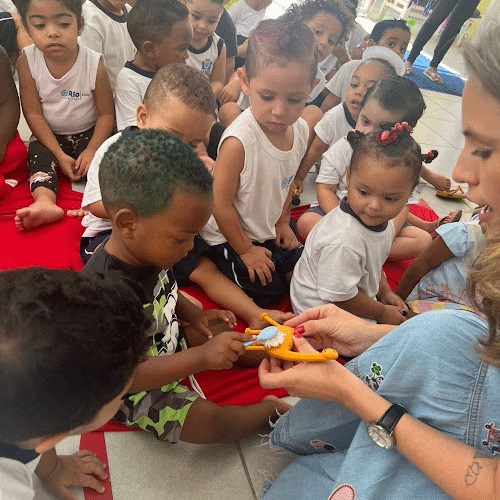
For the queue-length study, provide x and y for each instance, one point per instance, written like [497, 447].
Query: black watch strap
[391, 417]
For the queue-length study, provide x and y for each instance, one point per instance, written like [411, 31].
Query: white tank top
[204, 59]
[264, 181]
[67, 103]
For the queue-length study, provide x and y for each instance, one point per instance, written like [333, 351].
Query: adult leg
[462, 11]
[438, 15]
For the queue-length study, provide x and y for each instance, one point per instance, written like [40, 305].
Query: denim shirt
[427, 364]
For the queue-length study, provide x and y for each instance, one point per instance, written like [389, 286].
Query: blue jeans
[428, 365]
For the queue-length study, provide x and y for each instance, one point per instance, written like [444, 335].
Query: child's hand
[221, 352]
[258, 262]
[78, 469]
[285, 237]
[83, 161]
[67, 165]
[77, 213]
[390, 298]
[231, 92]
[299, 184]
[210, 316]
[391, 315]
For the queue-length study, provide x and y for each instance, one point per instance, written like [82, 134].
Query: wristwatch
[382, 430]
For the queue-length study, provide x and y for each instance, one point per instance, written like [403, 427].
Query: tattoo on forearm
[472, 473]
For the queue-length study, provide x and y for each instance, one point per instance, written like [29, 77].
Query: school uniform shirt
[16, 472]
[94, 225]
[204, 59]
[131, 86]
[245, 18]
[335, 124]
[341, 257]
[264, 181]
[68, 104]
[107, 34]
[319, 87]
[339, 83]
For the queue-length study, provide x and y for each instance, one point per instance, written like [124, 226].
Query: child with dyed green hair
[141, 252]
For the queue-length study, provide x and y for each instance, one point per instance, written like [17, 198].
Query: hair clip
[430, 156]
[393, 133]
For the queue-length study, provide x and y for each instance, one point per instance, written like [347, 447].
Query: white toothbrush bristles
[275, 341]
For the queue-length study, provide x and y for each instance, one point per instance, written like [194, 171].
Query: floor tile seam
[245, 469]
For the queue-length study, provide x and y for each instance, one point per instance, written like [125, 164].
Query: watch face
[380, 436]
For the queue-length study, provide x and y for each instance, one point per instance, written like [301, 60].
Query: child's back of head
[186, 83]
[281, 41]
[152, 20]
[400, 95]
[69, 344]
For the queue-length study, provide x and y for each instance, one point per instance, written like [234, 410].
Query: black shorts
[231, 265]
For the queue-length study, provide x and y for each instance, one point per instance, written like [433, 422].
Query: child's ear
[125, 221]
[148, 48]
[142, 115]
[245, 83]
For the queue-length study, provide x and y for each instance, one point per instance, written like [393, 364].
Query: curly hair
[184, 82]
[404, 152]
[342, 10]
[281, 41]
[143, 170]
[396, 93]
[69, 344]
[152, 20]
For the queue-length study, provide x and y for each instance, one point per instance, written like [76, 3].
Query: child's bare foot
[281, 406]
[440, 182]
[278, 316]
[77, 214]
[37, 214]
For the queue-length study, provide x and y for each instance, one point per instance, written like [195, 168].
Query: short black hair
[74, 6]
[152, 20]
[181, 81]
[396, 93]
[143, 170]
[387, 24]
[69, 343]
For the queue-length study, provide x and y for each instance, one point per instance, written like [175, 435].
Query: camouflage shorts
[160, 411]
